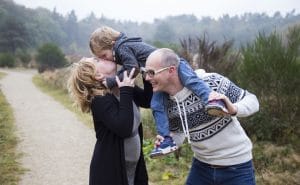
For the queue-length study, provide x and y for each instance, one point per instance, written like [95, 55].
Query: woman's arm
[142, 97]
[114, 115]
[117, 116]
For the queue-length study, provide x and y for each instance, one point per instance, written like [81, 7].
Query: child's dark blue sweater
[129, 53]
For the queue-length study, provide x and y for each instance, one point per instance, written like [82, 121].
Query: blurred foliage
[271, 69]
[276, 165]
[24, 56]
[7, 60]
[27, 28]
[50, 57]
[209, 55]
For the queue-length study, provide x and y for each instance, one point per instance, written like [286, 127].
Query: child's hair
[102, 39]
[83, 86]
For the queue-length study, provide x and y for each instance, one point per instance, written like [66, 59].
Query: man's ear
[172, 69]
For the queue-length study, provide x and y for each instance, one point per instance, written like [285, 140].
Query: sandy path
[57, 147]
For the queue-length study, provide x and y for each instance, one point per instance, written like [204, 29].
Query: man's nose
[147, 77]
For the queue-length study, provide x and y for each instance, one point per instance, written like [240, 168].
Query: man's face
[156, 74]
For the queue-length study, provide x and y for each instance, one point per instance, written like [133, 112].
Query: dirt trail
[57, 147]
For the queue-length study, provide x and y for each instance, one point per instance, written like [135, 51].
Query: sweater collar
[181, 95]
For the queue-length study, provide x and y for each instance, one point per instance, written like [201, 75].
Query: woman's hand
[127, 80]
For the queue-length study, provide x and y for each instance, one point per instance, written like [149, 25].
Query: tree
[71, 28]
[13, 35]
[202, 53]
[164, 33]
[24, 57]
[271, 70]
[50, 57]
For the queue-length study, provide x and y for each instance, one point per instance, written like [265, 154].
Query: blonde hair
[102, 38]
[83, 86]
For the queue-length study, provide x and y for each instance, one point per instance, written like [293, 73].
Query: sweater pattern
[201, 125]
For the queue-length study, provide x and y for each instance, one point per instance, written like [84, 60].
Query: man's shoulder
[201, 73]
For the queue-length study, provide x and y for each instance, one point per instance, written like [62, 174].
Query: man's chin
[155, 89]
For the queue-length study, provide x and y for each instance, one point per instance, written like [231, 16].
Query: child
[109, 44]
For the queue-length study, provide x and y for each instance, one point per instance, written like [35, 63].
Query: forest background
[257, 51]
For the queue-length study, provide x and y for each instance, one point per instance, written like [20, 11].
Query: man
[222, 150]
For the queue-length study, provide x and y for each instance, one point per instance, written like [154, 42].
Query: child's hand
[127, 80]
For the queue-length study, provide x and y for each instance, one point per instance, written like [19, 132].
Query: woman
[118, 157]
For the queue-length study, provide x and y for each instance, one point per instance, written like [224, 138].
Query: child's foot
[165, 147]
[216, 108]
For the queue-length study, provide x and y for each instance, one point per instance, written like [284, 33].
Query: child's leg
[162, 126]
[159, 114]
[190, 80]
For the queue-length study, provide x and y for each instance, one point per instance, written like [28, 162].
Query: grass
[61, 96]
[10, 168]
[275, 165]
[2, 75]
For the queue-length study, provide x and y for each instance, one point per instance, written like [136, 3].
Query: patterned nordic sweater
[214, 140]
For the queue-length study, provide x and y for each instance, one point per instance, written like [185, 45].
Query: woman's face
[104, 68]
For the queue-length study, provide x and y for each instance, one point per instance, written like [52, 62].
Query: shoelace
[184, 122]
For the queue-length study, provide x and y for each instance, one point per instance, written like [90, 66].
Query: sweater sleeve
[247, 106]
[117, 117]
[127, 60]
[178, 138]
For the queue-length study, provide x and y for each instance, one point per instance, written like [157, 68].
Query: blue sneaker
[165, 147]
[216, 108]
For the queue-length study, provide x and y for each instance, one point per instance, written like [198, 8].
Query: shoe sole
[216, 111]
[173, 149]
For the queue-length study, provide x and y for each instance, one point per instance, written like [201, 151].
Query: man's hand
[158, 140]
[232, 109]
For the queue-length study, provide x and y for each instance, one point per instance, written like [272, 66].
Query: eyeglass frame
[151, 73]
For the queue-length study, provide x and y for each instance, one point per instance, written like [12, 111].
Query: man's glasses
[151, 73]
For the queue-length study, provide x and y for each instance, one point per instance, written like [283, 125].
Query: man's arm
[247, 106]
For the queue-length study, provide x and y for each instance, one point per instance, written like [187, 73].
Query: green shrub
[50, 57]
[270, 69]
[24, 57]
[7, 60]
[209, 55]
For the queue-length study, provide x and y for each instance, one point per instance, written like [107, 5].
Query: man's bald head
[164, 57]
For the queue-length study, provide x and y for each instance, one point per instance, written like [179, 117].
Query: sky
[148, 10]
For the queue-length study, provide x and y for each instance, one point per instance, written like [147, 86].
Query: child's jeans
[190, 80]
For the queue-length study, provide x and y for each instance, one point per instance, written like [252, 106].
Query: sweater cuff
[126, 89]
